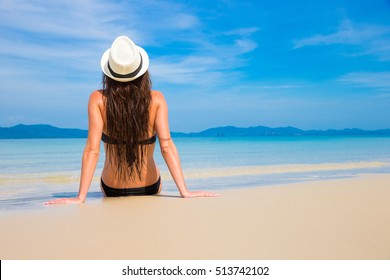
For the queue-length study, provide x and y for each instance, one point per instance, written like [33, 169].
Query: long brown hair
[127, 112]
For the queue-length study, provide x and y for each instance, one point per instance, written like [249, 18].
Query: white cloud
[184, 21]
[347, 33]
[375, 80]
[245, 45]
[196, 70]
[55, 38]
[72, 34]
[209, 64]
[242, 31]
[282, 86]
[377, 47]
[373, 39]
[88, 19]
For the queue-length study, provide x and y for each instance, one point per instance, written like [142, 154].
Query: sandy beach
[331, 219]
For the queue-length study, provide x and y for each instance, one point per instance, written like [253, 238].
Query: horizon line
[224, 126]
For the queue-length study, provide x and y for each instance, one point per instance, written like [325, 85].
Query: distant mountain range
[47, 131]
[232, 131]
[22, 131]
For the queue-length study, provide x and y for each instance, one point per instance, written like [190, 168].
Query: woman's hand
[73, 200]
[190, 194]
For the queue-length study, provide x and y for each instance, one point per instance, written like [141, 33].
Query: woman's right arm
[169, 151]
[91, 151]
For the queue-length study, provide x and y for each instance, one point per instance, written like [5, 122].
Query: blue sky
[308, 64]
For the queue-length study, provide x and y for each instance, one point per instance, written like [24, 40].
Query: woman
[128, 117]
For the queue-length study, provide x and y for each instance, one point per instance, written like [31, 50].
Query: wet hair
[127, 113]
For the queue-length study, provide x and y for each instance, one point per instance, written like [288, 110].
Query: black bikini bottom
[148, 190]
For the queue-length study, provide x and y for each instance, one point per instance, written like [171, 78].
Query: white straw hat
[124, 61]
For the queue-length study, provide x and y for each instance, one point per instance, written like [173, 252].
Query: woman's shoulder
[157, 94]
[97, 93]
[96, 100]
[96, 96]
[158, 97]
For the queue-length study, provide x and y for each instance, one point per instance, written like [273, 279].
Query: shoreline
[28, 191]
[329, 219]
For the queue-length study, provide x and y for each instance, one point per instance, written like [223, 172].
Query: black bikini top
[107, 139]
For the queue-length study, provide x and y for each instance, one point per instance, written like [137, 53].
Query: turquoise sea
[35, 170]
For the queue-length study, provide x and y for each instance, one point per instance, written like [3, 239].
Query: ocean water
[35, 170]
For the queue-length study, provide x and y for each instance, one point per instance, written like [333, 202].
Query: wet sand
[331, 219]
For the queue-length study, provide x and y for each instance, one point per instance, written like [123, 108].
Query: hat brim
[144, 68]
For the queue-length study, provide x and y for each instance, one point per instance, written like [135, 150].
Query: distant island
[262, 131]
[22, 131]
[36, 131]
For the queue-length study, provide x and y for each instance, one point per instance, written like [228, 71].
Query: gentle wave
[200, 173]
[46, 177]
[280, 169]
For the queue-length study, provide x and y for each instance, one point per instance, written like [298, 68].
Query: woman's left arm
[91, 151]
